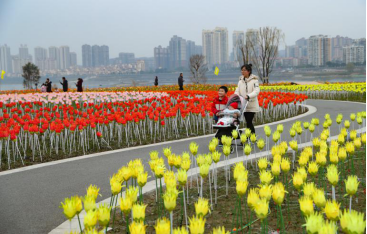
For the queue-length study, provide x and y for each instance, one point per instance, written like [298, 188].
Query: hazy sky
[139, 26]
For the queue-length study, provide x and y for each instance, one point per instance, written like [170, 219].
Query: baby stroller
[230, 120]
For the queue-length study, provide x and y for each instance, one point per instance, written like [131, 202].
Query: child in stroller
[231, 117]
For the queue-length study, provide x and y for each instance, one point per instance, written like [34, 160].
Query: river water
[164, 79]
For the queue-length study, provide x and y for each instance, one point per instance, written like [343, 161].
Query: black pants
[249, 116]
[181, 87]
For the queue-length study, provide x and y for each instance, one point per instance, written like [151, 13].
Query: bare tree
[264, 49]
[31, 75]
[243, 52]
[198, 68]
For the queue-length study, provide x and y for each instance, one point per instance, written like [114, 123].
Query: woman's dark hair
[224, 88]
[248, 68]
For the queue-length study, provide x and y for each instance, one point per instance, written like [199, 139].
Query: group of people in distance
[180, 81]
[47, 86]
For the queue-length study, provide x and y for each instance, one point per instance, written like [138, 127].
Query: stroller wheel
[232, 149]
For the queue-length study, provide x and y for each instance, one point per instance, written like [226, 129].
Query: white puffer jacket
[249, 86]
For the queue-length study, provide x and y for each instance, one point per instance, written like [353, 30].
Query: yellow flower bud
[276, 136]
[352, 116]
[275, 168]
[248, 132]
[262, 208]
[186, 156]
[247, 149]
[252, 198]
[91, 218]
[132, 193]
[186, 164]
[313, 168]
[293, 145]
[292, 132]
[260, 144]
[285, 165]
[306, 205]
[204, 170]
[303, 172]
[93, 191]
[352, 222]
[320, 159]
[142, 179]
[253, 137]
[169, 198]
[332, 210]
[197, 225]
[226, 150]
[297, 180]
[180, 230]
[220, 230]
[328, 227]
[318, 197]
[104, 213]
[153, 155]
[313, 223]
[346, 124]
[332, 174]
[357, 143]
[278, 193]
[137, 228]
[234, 134]
[363, 138]
[202, 207]
[267, 130]
[89, 203]
[311, 128]
[241, 187]
[212, 146]
[126, 205]
[163, 226]
[216, 156]
[265, 191]
[139, 212]
[194, 148]
[262, 164]
[69, 207]
[167, 151]
[243, 138]
[351, 185]
[182, 176]
[316, 142]
[280, 128]
[308, 189]
[350, 148]
[159, 170]
[342, 154]
[265, 177]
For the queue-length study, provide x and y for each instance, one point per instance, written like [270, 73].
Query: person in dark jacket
[48, 86]
[79, 85]
[156, 81]
[181, 81]
[64, 84]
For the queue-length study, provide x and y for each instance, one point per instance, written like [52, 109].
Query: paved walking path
[30, 198]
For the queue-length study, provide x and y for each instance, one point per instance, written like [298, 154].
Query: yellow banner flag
[216, 71]
[2, 74]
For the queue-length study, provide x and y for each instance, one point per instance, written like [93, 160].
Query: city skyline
[74, 23]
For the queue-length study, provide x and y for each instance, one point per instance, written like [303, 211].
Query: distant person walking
[79, 85]
[181, 81]
[156, 81]
[48, 85]
[64, 84]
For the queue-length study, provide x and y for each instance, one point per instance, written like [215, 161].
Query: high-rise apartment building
[73, 59]
[161, 57]
[319, 50]
[95, 56]
[104, 55]
[64, 57]
[177, 52]
[127, 58]
[54, 57]
[190, 49]
[86, 55]
[238, 40]
[40, 57]
[354, 54]
[215, 46]
[5, 59]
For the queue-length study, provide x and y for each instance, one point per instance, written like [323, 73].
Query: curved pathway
[30, 197]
